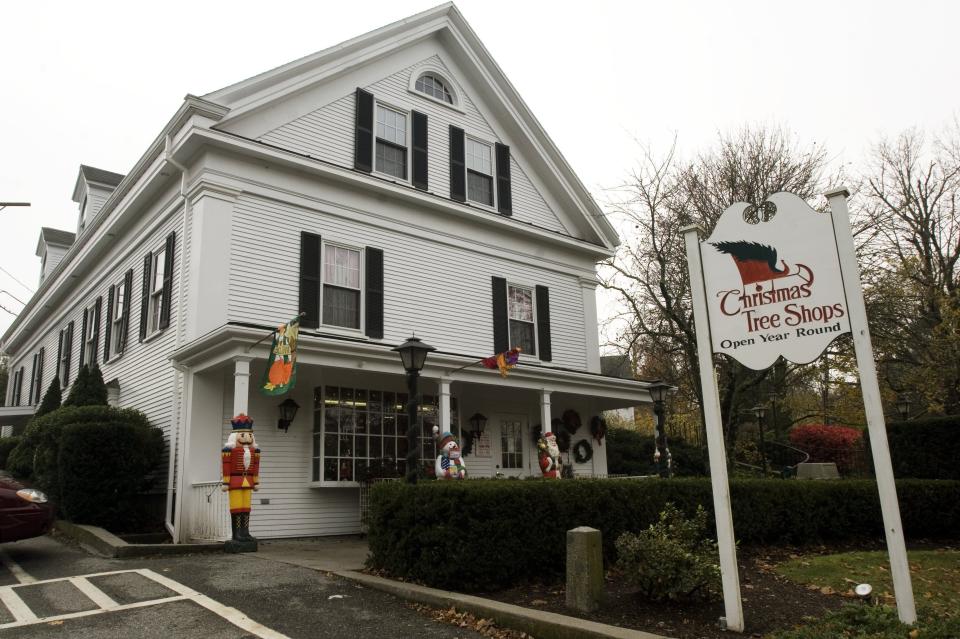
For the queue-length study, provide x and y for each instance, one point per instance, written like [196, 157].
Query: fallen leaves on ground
[485, 627]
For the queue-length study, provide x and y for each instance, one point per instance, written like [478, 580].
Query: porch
[352, 425]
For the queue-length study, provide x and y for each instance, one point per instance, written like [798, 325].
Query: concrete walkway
[345, 557]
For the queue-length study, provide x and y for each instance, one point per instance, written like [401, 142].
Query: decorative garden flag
[281, 373]
[503, 361]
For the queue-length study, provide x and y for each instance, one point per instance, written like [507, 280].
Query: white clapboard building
[394, 184]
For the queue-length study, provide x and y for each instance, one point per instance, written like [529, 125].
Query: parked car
[24, 512]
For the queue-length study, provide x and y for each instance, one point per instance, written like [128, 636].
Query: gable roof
[55, 237]
[259, 92]
[93, 174]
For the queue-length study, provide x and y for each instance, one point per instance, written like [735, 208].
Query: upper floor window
[520, 313]
[156, 289]
[341, 286]
[391, 142]
[91, 328]
[479, 158]
[434, 87]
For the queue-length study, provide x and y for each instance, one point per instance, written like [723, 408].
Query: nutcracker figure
[549, 456]
[449, 463]
[241, 475]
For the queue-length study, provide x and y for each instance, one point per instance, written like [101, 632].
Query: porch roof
[16, 415]
[234, 341]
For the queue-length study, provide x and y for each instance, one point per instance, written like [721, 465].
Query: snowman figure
[449, 462]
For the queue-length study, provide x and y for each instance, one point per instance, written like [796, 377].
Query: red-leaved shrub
[838, 444]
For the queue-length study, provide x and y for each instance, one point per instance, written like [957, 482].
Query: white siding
[440, 291]
[328, 134]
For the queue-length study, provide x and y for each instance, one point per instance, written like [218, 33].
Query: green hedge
[104, 469]
[7, 444]
[487, 534]
[925, 448]
[630, 453]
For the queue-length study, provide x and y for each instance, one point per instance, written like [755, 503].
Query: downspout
[173, 524]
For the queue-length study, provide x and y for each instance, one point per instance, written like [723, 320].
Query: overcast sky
[94, 82]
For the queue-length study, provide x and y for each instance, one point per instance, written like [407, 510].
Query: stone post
[584, 569]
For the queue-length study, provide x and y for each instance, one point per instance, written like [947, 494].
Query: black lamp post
[903, 407]
[413, 354]
[288, 411]
[478, 422]
[760, 412]
[658, 393]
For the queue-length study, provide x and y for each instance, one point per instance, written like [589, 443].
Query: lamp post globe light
[903, 407]
[658, 393]
[760, 412]
[413, 354]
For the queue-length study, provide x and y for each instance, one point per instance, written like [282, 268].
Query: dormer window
[434, 87]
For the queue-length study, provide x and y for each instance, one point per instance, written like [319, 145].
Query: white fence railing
[209, 512]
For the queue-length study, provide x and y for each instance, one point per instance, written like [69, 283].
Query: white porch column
[445, 406]
[241, 384]
[545, 416]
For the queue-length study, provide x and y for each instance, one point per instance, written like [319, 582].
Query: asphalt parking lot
[50, 589]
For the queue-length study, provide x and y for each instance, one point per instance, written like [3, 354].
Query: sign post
[723, 514]
[879, 448]
[776, 280]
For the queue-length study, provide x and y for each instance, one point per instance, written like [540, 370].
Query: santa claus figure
[449, 463]
[241, 474]
[549, 456]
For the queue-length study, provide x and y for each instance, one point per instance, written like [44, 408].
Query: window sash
[392, 126]
[479, 188]
[156, 289]
[391, 159]
[434, 87]
[341, 306]
[89, 340]
[479, 157]
[356, 427]
[511, 445]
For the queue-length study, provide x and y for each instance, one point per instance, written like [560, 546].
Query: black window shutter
[374, 293]
[108, 327]
[501, 330]
[59, 354]
[67, 355]
[96, 330]
[504, 201]
[458, 171]
[127, 299]
[363, 142]
[310, 280]
[167, 281]
[543, 323]
[83, 335]
[33, 379]
[39, 377]
[420, 150]
[145, 299]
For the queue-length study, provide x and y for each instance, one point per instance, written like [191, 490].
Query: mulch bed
[770, 603]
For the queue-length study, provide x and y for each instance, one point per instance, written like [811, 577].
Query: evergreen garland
[582, 451]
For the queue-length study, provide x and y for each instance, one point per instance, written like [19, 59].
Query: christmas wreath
[563, 436]
[582, 451]
[598, 428]
[571, 420]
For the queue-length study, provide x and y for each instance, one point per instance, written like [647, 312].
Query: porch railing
[209, 512]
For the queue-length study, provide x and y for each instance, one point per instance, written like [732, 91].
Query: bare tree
[911, 196]
[649, 274]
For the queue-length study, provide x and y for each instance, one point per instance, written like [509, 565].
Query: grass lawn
[935, 574]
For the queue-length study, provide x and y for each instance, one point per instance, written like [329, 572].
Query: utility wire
[7, 310]
[13, 296]
[16, 280]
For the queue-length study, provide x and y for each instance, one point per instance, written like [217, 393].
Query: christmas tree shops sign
[773, 282]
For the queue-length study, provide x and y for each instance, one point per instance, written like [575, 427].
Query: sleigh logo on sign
[763, 305]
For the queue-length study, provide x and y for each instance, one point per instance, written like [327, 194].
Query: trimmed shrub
[630, 453]
[825, 444]
[926, 448]
[7, 444]
[52, 399]
[88, 389]
[673, 559]
[104, 469]
[480, 534]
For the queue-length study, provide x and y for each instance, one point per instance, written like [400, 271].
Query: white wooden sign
[773, 283]
[779, 279]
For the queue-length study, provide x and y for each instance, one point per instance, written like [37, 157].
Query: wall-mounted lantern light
[288, 411]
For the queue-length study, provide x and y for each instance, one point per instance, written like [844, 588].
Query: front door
[511, 446]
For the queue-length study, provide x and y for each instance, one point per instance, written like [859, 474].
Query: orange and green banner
[281, 374]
